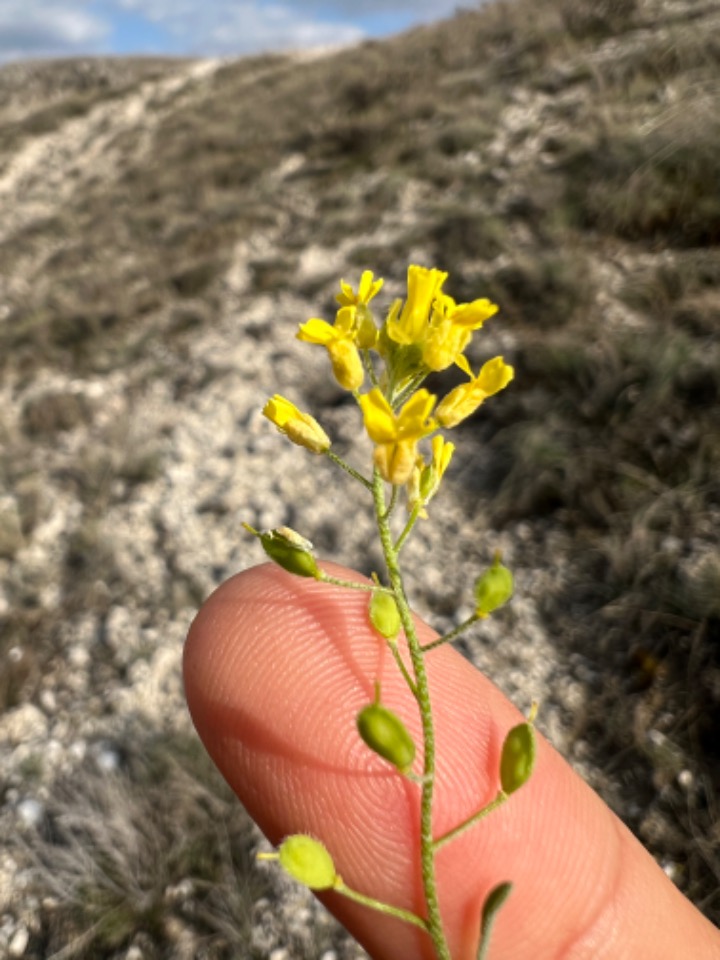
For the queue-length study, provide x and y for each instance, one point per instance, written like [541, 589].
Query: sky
[30, 29]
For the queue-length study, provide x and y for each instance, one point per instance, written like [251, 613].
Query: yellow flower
[425, 479]
[360, 321]
[356, 313]
[451, 329]
[396, 435]
[339, 340]
[465, 399]
[411, 324]
[367, 288]
[299, 427]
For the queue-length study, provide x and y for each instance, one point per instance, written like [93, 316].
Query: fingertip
[276, 669]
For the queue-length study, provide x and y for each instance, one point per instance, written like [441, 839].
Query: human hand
[276, 669]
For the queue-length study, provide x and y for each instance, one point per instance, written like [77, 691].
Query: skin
[277, 668]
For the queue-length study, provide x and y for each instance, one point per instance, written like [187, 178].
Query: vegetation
[562, 159]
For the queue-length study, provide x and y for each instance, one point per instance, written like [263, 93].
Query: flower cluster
[425, 333]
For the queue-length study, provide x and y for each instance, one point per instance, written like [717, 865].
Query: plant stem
[408, 390]
[378, 905]
[455, 632]
[498, 801]
[403, 669]
[353, 584]
[393, 502]
[348, 469]
[422, 696]
[407, 529]
[369, 368]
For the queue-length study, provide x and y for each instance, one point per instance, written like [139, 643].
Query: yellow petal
[317, 331]
[368, 286]
[494, 376]
[299, 427]
[379, 419]
[412, 324]
[346, 363]
[307, 432]
[459, 404]
[442, 451]
[444, 345]
[345, 320]
[346, 297]
[473, 315]
[396, 461]
[462, 362]
[366, 333]
[412, 421]
[279, 410]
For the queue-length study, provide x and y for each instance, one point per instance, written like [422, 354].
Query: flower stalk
[383, 367]
[422, 695]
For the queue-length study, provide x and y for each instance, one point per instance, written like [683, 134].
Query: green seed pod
[518, 757]
[308, 861]
[493, 588]
[493, 903]
[290, 551]
[386, 734]
[384, 615]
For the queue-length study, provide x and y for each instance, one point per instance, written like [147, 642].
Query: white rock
[19, 942]
[108, 759]
[31, 812]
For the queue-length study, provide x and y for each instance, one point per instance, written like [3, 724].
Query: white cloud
[229, 27]
[34, 29]
[418, 8]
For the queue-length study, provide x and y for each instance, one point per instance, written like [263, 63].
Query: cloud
[38, 28]
[46, 28]
[231, 27]
[435, 9]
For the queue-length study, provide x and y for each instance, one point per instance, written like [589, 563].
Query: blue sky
[62, 28]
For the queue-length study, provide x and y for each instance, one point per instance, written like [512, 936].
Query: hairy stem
[407, 529]
[348, 469]
[452, 634]
[378, 905]
[422, 695]
[457, 831]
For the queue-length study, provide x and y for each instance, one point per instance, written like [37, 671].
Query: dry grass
[157, 855]
[563, 161]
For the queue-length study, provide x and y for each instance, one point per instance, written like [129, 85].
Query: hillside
[165, 225]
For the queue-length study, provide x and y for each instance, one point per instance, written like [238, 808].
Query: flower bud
[299, 427]
[384, 614]
[518, 757]
[386, 734]
[493, 588]
[288, 550]
[308, 861]
[366, 332]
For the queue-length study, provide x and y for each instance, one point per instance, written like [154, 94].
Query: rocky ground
[165, 227]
